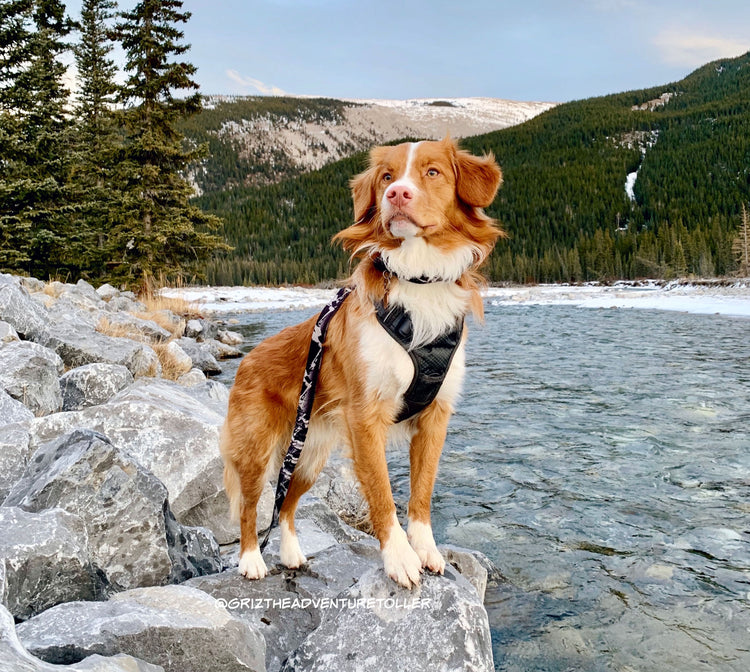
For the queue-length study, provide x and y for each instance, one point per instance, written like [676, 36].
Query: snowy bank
[700, 297]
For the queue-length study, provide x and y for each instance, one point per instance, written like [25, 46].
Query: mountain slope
[564, 200]
[262, 140]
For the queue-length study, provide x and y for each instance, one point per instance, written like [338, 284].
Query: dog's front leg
[368, 439]
[424, 454]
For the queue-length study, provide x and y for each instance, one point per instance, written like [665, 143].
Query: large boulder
[45, 559]
[92, 385]
[15, 658]
[173, 432]
[17, 308]
[79, 344]
[314, 618]
[30, 373]
[133, 541]
[133, 327]
[442, 625]
[15, 448]
[180, 628]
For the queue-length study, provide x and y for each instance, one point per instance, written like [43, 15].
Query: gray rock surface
[134, 327]
[15, 450]
[123, 507]
[8, 332]
[78, 346]
[18, 309]
[92, 385]
[15, 658]
[314, 618]
[45, 559]
[12, 410]
[173, 432]
[180, 628]
[201, 355]
[30, 373]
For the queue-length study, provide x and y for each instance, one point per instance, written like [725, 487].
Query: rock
[130, 326]
[173, 432]
[12, 411]
[221, 351]
[201, 355]
[7, 333]
[31, 284]
[78, 346]
[201, 329]
[107, 292]
[45, 560]
[123, 508]
[193, 329]
[180, 628]
[14, 452]
[230, 337]
[315, 617]
[179, 358]
[440, 625]
[93, 384]
[15, 658]
[124, 303]
[473, 566]
[30, 373]
[192, 377]
[17, 308]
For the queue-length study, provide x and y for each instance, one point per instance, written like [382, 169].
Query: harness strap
[431, 360]
[305, 405]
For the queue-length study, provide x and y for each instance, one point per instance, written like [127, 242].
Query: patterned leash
[305, 405]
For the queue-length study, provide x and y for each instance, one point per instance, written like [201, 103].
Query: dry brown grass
[171, 367]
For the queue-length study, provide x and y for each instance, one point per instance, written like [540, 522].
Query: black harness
[431, 363]
[431, 360]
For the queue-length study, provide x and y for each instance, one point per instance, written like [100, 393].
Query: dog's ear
[354, 237]
[363, 195]
[477, 178]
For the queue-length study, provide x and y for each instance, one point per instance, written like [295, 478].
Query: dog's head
[431, 191]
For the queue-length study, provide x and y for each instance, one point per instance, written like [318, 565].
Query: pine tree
[97, 135]
[157, 232]
[34, 198]
[741, 245]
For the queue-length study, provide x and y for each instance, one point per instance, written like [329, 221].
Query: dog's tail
[231, 475]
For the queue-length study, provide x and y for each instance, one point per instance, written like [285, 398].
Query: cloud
[691, 49]
[252, 83]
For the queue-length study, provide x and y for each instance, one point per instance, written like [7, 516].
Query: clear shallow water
[601, 459]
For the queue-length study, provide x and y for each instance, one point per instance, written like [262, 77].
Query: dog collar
[380, 265]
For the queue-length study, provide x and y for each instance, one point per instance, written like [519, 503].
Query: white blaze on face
[402, 226]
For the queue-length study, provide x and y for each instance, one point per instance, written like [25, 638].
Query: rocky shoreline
[116, 551]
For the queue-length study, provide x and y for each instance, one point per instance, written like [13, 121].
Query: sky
[540, 50]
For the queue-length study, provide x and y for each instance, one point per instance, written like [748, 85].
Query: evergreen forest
[563, 202]
[93, 185]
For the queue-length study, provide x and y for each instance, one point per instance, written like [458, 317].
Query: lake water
[601, 459]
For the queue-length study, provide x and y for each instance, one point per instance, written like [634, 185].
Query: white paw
[401, 563]
[422, 541]
[289, 551]
[252, 565]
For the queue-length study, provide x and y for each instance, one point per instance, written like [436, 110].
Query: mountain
[646, 183]
[262, 140]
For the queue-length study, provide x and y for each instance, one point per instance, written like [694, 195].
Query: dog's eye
[387, 177]
[433, 172]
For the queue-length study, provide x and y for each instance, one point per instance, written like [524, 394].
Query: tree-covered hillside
[563, 201]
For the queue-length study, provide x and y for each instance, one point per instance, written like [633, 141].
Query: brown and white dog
[418, 208]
